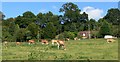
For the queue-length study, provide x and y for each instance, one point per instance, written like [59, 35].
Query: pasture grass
[93, 49]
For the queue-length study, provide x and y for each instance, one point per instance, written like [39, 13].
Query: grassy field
[94, 49]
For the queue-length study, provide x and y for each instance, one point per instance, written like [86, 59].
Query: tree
[33, 28]
[71, 12]
[105, 29]
[28, 14]
[20, 35]
[16, 32]
[72, 19]
[115, 30]
[40, 18]
[49, 31]
[70, 27]
[5, 33]
[27, 18]
[18, 20]
[92, 23]
[113, 16]
[83, 18]
[1, 16]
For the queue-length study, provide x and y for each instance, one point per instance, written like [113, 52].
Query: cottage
[85, 34]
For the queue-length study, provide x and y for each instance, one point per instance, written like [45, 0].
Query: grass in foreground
[93, 49]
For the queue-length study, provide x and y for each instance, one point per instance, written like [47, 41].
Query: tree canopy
[113, 16]
[48, 25]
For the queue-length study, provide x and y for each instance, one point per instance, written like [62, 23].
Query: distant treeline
[49, 26]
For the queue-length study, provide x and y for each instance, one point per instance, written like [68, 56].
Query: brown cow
[54, 41]
[31, 41]
[17, 43]
[44, 41]
[60, 43]
[110, 40]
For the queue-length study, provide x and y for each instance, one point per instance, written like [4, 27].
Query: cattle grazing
[60, 43]
[17, 43]
[109, 38]
[44, 41]
[5, 42]
[31, 41]
[54, 42]
[75, 38]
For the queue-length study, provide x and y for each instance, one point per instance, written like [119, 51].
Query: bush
[95, 34]
[105, 29]
[66, 34]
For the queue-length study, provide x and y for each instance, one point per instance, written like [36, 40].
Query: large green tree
[72, 19]
[113, 16]
[105, 29]
[24, 20]
[34, 29]
[49, 31]
[71, 12]
[28, 14]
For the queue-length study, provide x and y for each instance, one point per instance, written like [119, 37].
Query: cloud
[92, 12]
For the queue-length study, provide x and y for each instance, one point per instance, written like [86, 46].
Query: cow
[17, 43]
[31, 42]
[67, 39]
[109, 38]
[44, 41]
[5, 42]
[54, 41]
[60, 43]
[75, 38]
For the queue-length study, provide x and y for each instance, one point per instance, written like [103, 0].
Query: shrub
[66, 34]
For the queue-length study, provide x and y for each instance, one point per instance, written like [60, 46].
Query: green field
[94, 49]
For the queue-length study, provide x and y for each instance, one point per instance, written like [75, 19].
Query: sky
[94, 10]
[0, 6]
[59, 0]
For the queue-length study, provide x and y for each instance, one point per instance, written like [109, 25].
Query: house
[85, 34]
[88, 34]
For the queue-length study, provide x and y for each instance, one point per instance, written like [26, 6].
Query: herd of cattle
[59, 43]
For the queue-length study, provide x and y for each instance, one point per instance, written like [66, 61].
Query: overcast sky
[95, 10]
